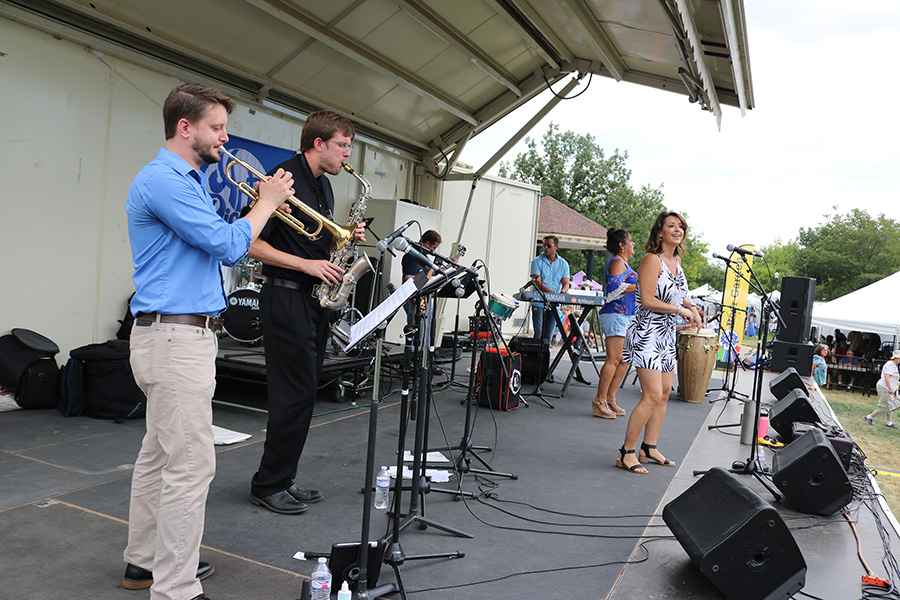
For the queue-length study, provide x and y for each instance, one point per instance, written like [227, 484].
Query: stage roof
[421, 76]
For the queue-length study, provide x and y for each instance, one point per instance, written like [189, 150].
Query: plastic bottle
[344, 592]
[761, 459]
[382, 488]
[321, 581]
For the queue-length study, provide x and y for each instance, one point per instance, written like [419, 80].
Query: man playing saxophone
[294, 324]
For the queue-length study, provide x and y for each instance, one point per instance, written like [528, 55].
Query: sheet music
[380, 313]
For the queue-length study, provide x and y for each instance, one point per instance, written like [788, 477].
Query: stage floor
[571, 525]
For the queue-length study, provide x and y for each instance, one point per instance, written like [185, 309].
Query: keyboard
[557, 298]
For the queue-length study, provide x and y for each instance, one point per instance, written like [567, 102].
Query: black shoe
[137, 578]
[307, 496]
[280, 502]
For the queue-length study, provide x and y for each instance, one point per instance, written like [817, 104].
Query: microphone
[526, 286]
[401, 244]
[742, 251]
[728, 260]
[382, 245]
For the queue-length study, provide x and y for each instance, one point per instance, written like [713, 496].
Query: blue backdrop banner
[227, 198]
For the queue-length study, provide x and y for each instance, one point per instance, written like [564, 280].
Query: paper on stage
[432, 457]
[380, 313]
[435, 475]
[223, 437]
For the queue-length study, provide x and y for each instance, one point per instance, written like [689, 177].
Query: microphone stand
[465, 447]
[751, 466]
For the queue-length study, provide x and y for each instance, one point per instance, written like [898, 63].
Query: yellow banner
[734, 303]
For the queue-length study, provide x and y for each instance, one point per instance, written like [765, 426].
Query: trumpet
[341, 234]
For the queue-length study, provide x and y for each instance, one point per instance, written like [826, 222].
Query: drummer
[430, 240]
[550, 273]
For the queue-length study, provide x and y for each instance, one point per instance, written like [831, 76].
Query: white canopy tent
[870, 309]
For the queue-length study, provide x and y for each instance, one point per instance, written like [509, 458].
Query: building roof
[573, 229]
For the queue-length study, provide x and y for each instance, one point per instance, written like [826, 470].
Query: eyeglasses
[550, 246]
[341, 145]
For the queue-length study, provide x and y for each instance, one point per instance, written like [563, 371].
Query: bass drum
[242, 319]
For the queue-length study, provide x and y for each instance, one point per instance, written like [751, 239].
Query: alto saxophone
[334, 296]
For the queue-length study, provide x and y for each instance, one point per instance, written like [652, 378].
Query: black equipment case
[493, 388]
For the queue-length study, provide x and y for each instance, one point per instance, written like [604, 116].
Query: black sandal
[620, 462]
[646, 448]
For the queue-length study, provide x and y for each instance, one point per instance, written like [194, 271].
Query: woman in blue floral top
[620, 285]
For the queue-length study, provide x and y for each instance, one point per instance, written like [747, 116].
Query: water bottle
[344, 592]
[761, 459]
[382, 487]
[321, 581]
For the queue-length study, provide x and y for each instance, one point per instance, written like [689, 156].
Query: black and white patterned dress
[650, 339]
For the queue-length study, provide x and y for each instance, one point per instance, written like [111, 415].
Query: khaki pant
[175, 367]
[882, 408]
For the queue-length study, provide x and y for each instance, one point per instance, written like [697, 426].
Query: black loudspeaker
[787, 381]
[810, 475]
[797, 294]
[736, 539]
[787, 355]
[535, 357]
[793, 408]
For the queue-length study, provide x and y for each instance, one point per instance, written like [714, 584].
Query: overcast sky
[824, 131]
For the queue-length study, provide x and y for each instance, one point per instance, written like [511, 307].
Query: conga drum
[696, 352]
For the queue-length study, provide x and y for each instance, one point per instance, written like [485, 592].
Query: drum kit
[242, 319]
[696, 355]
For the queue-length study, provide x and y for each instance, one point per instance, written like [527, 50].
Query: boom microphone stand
[751, 466]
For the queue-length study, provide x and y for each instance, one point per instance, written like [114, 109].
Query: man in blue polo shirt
[550, 273]
[178, 242]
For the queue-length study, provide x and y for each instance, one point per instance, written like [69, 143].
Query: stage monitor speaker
[787, 381]
[797, 294]
[736, 539]
[793, 408]
[535, 357]
[786, 355]
[809, 473]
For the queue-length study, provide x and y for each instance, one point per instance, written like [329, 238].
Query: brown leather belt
[190, 319]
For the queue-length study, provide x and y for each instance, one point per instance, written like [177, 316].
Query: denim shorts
[614, 324]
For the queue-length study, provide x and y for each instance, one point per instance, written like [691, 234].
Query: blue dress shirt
[551, 274]
[178, 240]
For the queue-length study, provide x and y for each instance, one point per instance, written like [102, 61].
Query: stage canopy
[870, 309]
[420, 76]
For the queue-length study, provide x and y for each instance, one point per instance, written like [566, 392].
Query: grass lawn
[880, 443]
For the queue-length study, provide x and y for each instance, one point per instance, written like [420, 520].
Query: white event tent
[870, 309]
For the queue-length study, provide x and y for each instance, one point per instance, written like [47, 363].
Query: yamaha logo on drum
[252, 303]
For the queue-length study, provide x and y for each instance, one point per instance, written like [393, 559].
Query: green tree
[575, 170]
[781, 262]
[848, 252]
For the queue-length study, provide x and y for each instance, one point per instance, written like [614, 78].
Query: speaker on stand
[792, 348]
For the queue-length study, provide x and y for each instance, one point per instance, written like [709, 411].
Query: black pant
[296, 332]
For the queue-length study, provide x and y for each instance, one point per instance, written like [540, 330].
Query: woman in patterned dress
[614, 317]
[650, 339]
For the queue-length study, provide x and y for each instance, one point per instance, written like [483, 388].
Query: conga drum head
[242, 319]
